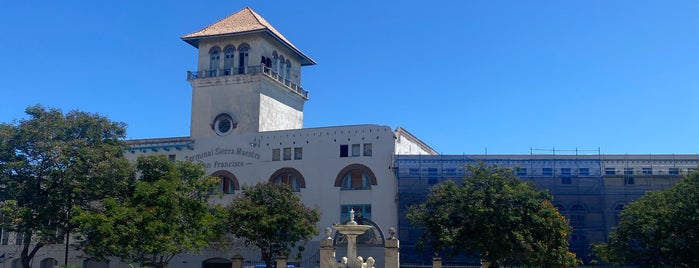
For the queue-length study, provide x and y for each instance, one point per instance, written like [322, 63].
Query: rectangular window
[577, 221]
[547, 172]
[565, 180]
[647, 171]
[629, 180]
[344, 150]
[610, 171]
[363, 210]
[674, 171]
[414, 171]
[578, 236]
[565, 172]
[628, 171]
[450, 171]
[367, 149]
[287, 153]
[276, 154]
[583, 172]
[433, 175]
[298, 153]
[171, 158]
[432, 172]
[521, 172]
[355, 150]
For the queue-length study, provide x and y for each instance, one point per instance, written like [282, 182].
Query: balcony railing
[192, 75]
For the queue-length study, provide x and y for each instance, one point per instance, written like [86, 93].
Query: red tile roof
[243, 21]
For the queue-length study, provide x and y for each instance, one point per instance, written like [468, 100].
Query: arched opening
[577, 216]
[48, 263]
[288, 71]
[243, 58]
[289, 176]
[228, 55]
[216, 263]
[275, 62]
[214, 61]
[281, 68]
[228, 182]
[373, 237]
[355, 177]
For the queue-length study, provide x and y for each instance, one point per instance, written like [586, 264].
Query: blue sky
[464, 76]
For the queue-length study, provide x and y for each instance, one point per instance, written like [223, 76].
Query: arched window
[229, 183]
[281, 68]
[561, 209]
[243, 58]
[290, 177]
[228, 53]
[288, 70]
[214, 61]
[355, 177]
[577, 216]
[48, 263]
[275, 62]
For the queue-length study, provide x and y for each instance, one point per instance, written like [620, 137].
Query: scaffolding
[589, 188]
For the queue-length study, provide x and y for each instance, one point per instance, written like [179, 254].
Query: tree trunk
[65, 262]
[267, 257]
[26, 256]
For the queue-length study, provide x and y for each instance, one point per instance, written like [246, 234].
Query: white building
[247, 127]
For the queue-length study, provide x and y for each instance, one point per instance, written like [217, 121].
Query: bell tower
[248, 78]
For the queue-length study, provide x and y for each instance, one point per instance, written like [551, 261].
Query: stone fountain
[351, 230]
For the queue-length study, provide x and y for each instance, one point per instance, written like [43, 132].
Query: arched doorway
[216, 263]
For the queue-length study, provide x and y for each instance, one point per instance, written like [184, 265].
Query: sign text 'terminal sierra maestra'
[202, 156]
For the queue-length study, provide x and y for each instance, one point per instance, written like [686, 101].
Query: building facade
[589, 190]
[247, 127]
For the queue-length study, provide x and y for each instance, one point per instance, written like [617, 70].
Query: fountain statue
[351, 230]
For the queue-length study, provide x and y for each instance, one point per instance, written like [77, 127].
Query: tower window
[243, 58]
[224, 124]
[214, 60]
[281, 69]
[288, 70]
[228, 60]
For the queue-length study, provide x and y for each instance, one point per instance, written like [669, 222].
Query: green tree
[51, 163]
[495, 216]
[165, 214]
[271, 217]
[658, 230]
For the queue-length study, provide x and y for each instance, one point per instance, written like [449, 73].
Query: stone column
[327, 251]
[351, 247]
[436, 262]
[281, 261]
[237, 260]
[391, 250]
